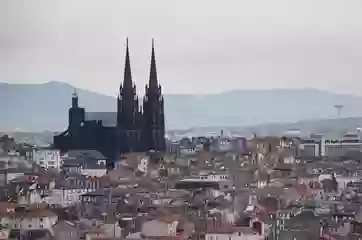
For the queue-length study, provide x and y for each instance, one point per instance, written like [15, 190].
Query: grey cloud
[202, 46]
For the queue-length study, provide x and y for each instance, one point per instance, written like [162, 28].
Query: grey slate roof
[86, 154]
[109, 119]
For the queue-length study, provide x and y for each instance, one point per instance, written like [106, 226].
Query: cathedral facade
[137, 127]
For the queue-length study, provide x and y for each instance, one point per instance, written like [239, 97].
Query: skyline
[207, 48]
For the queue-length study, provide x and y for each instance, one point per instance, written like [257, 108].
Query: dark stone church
[132, 129]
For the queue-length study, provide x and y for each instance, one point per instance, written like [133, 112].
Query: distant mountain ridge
[38, 107]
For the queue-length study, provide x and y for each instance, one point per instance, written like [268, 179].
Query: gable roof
[85, 154]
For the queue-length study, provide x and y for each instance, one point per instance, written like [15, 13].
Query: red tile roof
[231, 230]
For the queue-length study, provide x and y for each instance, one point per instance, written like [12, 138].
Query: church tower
[153, 110]
[128, 112]
[76, 116]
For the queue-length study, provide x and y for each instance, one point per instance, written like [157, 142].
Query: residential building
[86, 166]
[66, 196]
[29, 218]
[233, 233]
[318, 145]
[211, 180]
[47, 158]
[165, 226]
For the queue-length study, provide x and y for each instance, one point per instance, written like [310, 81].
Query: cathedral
[133, 128]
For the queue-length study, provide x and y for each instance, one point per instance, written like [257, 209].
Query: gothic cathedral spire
[153, 110]
[127, 80]
[128, 108]
[153, 81]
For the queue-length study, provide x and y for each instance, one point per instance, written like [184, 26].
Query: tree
[7, 143]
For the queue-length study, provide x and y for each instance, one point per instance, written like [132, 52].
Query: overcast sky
[202, 46]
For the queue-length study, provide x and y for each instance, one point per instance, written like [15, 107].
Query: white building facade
[47, 158]
[66, 196]
[333, 148]
[33, 219]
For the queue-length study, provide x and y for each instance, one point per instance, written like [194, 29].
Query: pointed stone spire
[127, 80]
[153, 81]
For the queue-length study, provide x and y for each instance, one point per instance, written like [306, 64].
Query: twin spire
[127, 84]
[153, 83]
[127, 81]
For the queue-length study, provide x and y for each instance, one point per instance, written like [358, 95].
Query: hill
[38, 107]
